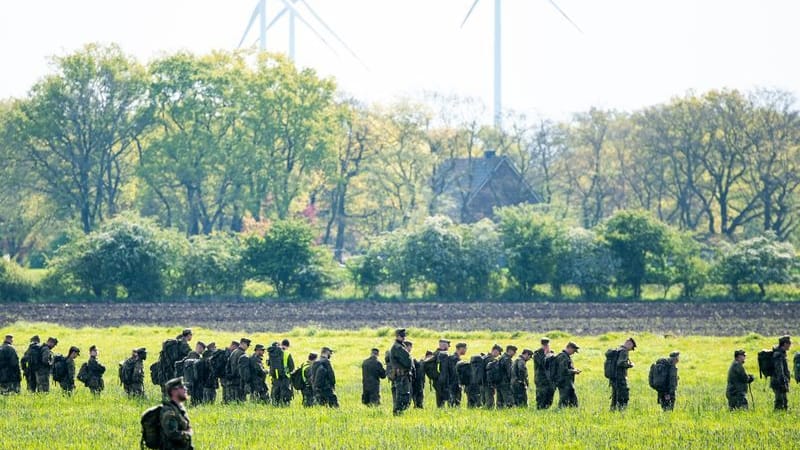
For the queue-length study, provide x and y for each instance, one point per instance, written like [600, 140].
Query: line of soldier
[489, 380]
[39, 364]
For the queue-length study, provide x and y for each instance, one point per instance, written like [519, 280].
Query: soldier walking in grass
[401, 365]
[234, 376]
[565, 377]
[519, 379]
[176, 430]
[257, 378]
[781, 376]
[372, 371]
[68, 382]
[324, 380]
[137, 380]
[281, 365]
[738, 382]
[620, 393]
[505, 398]
[308, 390]
[91, 373]
[184, 348]
[225, 378]
[666, 396]
[439, 368]
[418, 377]
[490, 376]
[45, 364]
[29, 361]
[9, 367]
[454, 399]
[545, 388]
[209, 371]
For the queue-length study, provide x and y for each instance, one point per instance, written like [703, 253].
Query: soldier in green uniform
[234, 377]
[30, 359]
[208, 375]
[489, 387]
[258, 376]
[738, 382]
[620, 393]
[565, 377]
[781, 376]
[137, 381]
[45, 364]
[308, 390]
[401, 366]
[441, 385]
[454, 399]
[519, 379]
[176, 430]
[198, 351]
[9, 367]
[324, 380]
[667, 398]
[68, 383]
[184, 348]
[94, 372]
[279, 371]
[372, 371]
[225, 379]
[545, 388]
[505, 399]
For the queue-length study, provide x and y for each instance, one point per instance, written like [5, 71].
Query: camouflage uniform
[324, 383]
[519, 383]
[235, 387]
[545, 389]
[620, 393]
[68, 383]
[565, 380]
[454, 391]
[210, 381]
[225, 379]
[258, 379]
[29, 365]
[442, 384]
[184, 349]
[136, 387]
[488, 386]
[43, 369]
[402, 365]
[372, 372]
[95, 372]
[175, 427]
[780, 378]
[474, 390]
[668, 404]
[9, 370]
[738, 381]
[308, 390]
[505, 399]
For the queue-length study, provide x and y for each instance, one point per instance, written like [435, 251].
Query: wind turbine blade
[280, 14]
[330, 30]
[552, 2]
[475, 3]
[250, 25]
[300, 17]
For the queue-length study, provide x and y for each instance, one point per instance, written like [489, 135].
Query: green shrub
[15, 285]
[584, 260]
[213, 265]
[761, 261]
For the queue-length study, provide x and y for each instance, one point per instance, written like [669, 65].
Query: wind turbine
[498, 50]
[260, 14]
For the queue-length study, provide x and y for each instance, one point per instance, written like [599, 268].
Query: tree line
[226, 142]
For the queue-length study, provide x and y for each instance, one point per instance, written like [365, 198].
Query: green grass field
[701, 418]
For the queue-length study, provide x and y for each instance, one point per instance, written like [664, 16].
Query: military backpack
[126, 371]
[766, 366]
[151, 427]
[59, 368]
[156, 375]
[551, 368]
[296, 378]
[431, 366]
[659, 374]
[189, 371]
[464, 372]
[33, 357]
[83, 373]
[476, 365]
[610, 366]
[493, 375]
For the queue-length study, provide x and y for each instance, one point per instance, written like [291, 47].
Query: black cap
[75, 349]
[285, 342]
[511, 347]
[375, 350]
[93, 348]
[244, 341]
[739, 352]
[675, 354]
[35, 338]
[186, 332]
[259, 347]
[784, 339]
[408, 343]
[201, 344]
[326, 349]
[55, 340]
[235, 343]
[461, 345]
[312, 356]
[141, 350]
[497, 347]
[400, 332]
[527, 351]
[632, 341]
[9, 336]
[573, 345]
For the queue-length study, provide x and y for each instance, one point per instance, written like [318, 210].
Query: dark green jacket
[623, 363]
[565, 375]
[672, 383]
[233, 364]
[519, 373]
[9, 364]
[737, 380]
[506, 369]
[371, 373]
[175, 427]
[96, 371]
[399, 357]
[782, 376]
[539, 375]
[322, 375]
[258, 374]
[184, 349]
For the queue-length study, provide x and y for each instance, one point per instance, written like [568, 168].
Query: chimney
[489, 154]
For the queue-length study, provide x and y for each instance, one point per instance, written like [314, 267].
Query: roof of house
[475, 172]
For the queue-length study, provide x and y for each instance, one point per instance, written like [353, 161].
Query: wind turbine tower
[498, 78]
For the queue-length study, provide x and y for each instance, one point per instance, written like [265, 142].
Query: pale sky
[632, 53]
